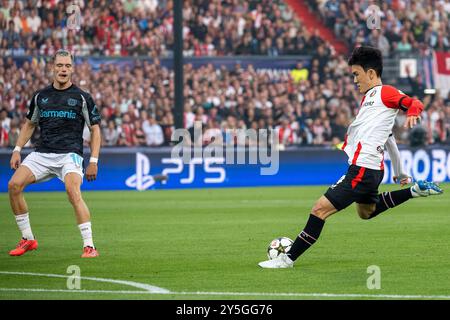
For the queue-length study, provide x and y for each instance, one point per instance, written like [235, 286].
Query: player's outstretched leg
[388, 200]
[73, 189]
[21, 178]
[309, 235]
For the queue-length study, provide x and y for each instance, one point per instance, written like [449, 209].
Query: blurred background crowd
[217, 27]
[404, 25]
[309, 105]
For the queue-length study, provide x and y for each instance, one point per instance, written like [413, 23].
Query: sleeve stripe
[35, 115]
[85, 112]
[400, 104]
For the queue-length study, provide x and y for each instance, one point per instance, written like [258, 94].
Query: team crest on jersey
[72, 102]
[374, 92]
[380, 149]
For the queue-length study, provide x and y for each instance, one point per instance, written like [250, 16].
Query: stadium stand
[311, 106]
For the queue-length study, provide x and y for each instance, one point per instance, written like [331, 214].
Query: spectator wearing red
[285, 133]
[4, 138]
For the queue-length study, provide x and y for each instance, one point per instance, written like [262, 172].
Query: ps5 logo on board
[142, 180]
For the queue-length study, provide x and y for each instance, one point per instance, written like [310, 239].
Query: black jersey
[61, 116]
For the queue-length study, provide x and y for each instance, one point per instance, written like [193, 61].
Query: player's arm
[396, 99]
[392, 149]
[92, 118]
[25, 134]
[32, 119]
[96, 140]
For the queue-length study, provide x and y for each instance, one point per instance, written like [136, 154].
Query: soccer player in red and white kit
[364, 144]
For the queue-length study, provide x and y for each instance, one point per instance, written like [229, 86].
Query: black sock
[307, 237]
[387, 200]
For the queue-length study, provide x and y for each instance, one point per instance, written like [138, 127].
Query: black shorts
[358, 185]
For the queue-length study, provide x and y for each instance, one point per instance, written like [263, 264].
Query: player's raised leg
[389, 200]
[307, 237]
[73, 181]
[21, 178]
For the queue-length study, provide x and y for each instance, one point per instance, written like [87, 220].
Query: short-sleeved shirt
[61, 116]
[368, 133]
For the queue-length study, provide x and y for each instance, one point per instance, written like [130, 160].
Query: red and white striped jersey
[367, 134]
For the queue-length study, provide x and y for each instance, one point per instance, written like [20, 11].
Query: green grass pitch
[205, 244]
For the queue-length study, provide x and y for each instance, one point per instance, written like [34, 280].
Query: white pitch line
[330, 295]
[147, 287]
[77, 291]
[256, 294]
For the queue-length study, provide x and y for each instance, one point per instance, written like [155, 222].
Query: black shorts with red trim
[358, 185]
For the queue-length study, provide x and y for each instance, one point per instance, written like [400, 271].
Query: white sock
[23, 222]
[86, 234]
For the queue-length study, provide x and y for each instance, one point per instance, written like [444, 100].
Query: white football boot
[282, 261]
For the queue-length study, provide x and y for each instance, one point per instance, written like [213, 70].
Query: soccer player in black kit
[61, 111]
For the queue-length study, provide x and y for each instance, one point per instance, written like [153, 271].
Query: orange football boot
[24, 246]
[89, 252]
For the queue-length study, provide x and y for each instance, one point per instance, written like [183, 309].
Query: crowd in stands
[145, 27]
[393, 26]
[217, 27]
[311, 105]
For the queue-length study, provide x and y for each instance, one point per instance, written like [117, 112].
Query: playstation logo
[142, 180]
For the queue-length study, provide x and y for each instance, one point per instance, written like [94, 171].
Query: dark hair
[62, 53]
[367, 58]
